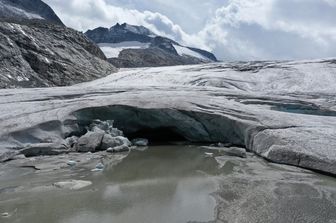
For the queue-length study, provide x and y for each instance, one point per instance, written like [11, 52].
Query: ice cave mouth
[164, 125]
[157, 136]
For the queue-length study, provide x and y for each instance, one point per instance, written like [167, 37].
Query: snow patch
[9, 41]
[23, 78]
[184, 51]
[113, 49]
[19, 28]
[47, 60]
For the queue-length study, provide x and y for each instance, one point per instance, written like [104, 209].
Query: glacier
[283, 111]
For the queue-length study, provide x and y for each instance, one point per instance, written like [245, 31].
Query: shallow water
[161, 184]
[170, 184]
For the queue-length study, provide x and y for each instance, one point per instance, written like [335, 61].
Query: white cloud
[234, 29]
[273, 29]
[89, 14]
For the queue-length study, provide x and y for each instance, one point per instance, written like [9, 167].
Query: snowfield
[185, 51]
[112, 50]
[283, 111]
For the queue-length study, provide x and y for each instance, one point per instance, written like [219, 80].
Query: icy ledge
[283, 111]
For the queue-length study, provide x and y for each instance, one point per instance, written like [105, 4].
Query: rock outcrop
[41, 54]
[37, 50]
[151, 57]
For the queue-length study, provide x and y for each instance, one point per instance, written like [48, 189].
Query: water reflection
[161, 184]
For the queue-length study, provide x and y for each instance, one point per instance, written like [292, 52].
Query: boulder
[90, 142]
[111, 142]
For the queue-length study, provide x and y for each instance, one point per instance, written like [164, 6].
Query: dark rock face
[120, 33]
[164, 44]
[27, 9]
[161, 50]
[41, 54]
[151, 57]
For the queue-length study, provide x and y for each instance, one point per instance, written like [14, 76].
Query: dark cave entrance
[157, 135]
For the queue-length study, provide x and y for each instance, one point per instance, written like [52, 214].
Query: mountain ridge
[141, 47]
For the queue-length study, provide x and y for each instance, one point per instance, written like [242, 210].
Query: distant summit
[136, 46]
[27, 9]
[120, 33]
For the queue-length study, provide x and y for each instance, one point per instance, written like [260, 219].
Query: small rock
[73, 184]
[71, 141]
[100, 166]
[71, 163]
[140, 142]
[5, 215]
[8, 214]
[209, 154]
[96, 170]
[235, 151]
[118, 149]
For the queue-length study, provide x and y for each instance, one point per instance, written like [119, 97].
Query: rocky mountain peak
[134, 46]
[127, 28]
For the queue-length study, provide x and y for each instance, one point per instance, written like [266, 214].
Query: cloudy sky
[232, 29]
